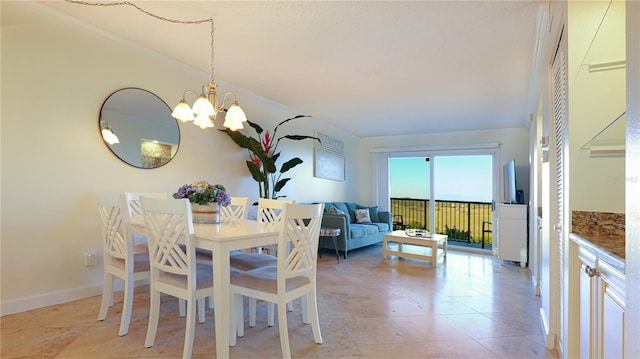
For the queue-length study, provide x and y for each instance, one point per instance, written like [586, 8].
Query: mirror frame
[140, 118]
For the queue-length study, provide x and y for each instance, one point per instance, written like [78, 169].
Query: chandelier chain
[175, 21]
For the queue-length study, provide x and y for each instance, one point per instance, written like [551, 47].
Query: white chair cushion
[140, 262]
[204, 273]
[249, 261]
[265, 279]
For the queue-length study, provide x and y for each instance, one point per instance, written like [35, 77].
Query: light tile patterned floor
[369, 308]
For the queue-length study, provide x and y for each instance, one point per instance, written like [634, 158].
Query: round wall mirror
[142, 131]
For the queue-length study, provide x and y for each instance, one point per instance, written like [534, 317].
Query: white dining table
[223, 238]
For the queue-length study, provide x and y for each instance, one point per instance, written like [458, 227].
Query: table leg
[434, 253]
[222, 297]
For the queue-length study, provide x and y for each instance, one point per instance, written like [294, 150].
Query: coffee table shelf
[392, 245]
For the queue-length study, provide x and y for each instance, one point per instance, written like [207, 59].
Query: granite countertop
[602, 233]
[608, 257]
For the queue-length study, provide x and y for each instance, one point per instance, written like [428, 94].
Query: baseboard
[52, 298]
[469, 250]
[549, 338]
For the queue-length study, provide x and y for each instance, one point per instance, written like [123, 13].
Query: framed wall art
[328, 164]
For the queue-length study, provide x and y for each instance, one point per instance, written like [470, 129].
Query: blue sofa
[354, 235]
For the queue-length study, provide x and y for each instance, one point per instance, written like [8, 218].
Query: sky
[457, 178]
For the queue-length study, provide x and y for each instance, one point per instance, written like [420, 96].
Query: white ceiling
[371, 68]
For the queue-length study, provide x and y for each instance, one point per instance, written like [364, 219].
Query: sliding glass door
[447, 193]
[463, 192]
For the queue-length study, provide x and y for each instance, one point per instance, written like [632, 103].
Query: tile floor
[369, 308]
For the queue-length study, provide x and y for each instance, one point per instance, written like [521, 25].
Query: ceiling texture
[371, 68]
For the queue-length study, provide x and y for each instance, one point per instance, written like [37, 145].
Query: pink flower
[267, 142]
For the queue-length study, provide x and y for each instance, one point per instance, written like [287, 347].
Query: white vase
[209, 213]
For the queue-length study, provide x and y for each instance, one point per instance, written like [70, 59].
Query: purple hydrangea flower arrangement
[203, 193]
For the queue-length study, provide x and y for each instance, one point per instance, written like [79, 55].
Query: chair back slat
[300, 231]
[133, 200]
[168, 221]
[237, 209]
[113, 225]
[270, 210]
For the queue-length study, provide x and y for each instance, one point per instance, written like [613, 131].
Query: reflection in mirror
[148, 136]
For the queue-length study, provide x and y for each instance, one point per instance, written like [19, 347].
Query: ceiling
[371, 68]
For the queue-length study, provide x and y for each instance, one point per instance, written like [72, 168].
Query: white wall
[56, 73]
[595, 100]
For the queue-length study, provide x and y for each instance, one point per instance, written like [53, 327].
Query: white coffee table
[400, 237]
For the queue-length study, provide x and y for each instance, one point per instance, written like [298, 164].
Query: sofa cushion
[382, 227]
[352, 206]
[358, 230]
[343, 207]
[373, 213]
[362, 215]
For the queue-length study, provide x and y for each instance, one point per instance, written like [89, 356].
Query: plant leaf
[256, 127]
[300, 137]
[281, 184]
[287, 120]
[290, 164]
[257, 175]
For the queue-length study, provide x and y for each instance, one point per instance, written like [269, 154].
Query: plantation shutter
[560, 100]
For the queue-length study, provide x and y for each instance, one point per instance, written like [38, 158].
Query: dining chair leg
[270, 313]
[201, 312]
[191, 327]
[127, 306]
[154, 315]
[312, 308]
[305, 309]
[252, 312]
[182, 307]
[284, 333]
[211, 303]
[107, 296]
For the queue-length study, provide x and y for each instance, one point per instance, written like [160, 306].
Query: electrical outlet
[90, 259]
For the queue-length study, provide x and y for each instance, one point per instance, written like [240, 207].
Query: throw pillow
[351, 206]
[334, 210]
[328, 207]
[373, 213]
[362, 215]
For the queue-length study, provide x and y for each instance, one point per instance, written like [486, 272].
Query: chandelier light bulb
[203, 121]
[183, 112]
[202, 106]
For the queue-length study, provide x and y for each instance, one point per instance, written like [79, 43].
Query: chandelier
[205, 108]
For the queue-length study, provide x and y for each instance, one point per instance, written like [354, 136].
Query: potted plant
[263, 153]
[205, 199]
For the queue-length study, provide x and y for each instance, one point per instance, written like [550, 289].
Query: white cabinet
[602, 308]
[512, 233]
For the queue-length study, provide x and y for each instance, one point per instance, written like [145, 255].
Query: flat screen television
[509, 182]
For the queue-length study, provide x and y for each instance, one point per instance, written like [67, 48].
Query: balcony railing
[466, 223]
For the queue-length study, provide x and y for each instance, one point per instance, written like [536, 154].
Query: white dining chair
[237, 208]
[139, 240]
[269, 211]
[119, 259]
[174, 269]
[293, 277]
[135, 209]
